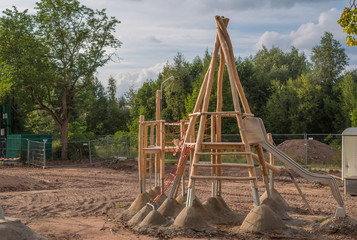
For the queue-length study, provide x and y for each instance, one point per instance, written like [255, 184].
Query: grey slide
[256, 134]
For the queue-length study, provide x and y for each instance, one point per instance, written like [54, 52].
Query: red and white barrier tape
[9, 159]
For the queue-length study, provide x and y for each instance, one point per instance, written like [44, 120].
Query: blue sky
[153, 31]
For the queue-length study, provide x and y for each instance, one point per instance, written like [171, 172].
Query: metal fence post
[28, 151]
[130, 147]
[305, 146]
[90, 154]
[44, 152]
[107, 146]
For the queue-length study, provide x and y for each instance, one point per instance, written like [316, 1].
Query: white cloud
[307, 35]
[136, 77]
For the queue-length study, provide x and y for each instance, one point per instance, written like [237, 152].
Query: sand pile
[261, 219]
[153, 219]
[276, 208]
[170, 208]
[191, 218]
[139, 216]
[16, 183]
[136, 206]
[219, 213]
[275, 195]
[317, 152]
[15, 230]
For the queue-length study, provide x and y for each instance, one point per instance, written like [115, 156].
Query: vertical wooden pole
[145, 146]
[190, 195]
[221, 24]
[162, 158]
[219, 117]
[213, 157]
[140, 153]
[158, 138]
[272, 162]
[231, 74]
[151, 159]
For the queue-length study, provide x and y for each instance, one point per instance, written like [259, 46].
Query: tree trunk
[64, 140]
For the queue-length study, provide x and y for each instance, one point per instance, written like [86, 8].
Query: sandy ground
[73, 202]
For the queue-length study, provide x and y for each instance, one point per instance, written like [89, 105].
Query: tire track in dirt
[78, 192]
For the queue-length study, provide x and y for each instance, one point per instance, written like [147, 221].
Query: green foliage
[329, 59]
[293, 106]
[54, 53]
[348, 21]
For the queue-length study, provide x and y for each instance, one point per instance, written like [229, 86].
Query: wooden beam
[223, 178]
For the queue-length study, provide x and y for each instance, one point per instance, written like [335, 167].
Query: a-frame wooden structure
[216, 146]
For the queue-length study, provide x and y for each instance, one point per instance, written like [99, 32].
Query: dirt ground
[75, 202]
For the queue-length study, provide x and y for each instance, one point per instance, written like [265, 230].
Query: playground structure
[201, 136]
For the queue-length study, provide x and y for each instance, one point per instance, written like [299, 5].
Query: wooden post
[140, 153]
[151, 159]
[162, 153]
[271, 161]
[263, 168]
[213, 157]
[219, 117]
[211, 70]
[145, 146]
[158, 138]
[222, 25]
[225, 49]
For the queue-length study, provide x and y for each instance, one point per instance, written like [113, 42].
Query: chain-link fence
[307, 149]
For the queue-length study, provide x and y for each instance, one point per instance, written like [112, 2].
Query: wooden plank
[227, 114]
[152, 122]
[152, 150]
[223, 145]
[229, 165]
[223, 153]
[223, 178]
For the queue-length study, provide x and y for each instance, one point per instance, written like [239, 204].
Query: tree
[294, 106]
[112, 88]
[54, 53]
[348, 98]
[329, 59]
[348, 21]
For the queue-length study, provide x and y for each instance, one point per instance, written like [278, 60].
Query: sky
[154, 31]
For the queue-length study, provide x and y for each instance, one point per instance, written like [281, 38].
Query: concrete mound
[219, 213]
[277, 198]
[191, 218]
[12, 229]
[276, 207]
[153, 219]
[170, 208]
[138, 204]
[139, 216]
[261, 219]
